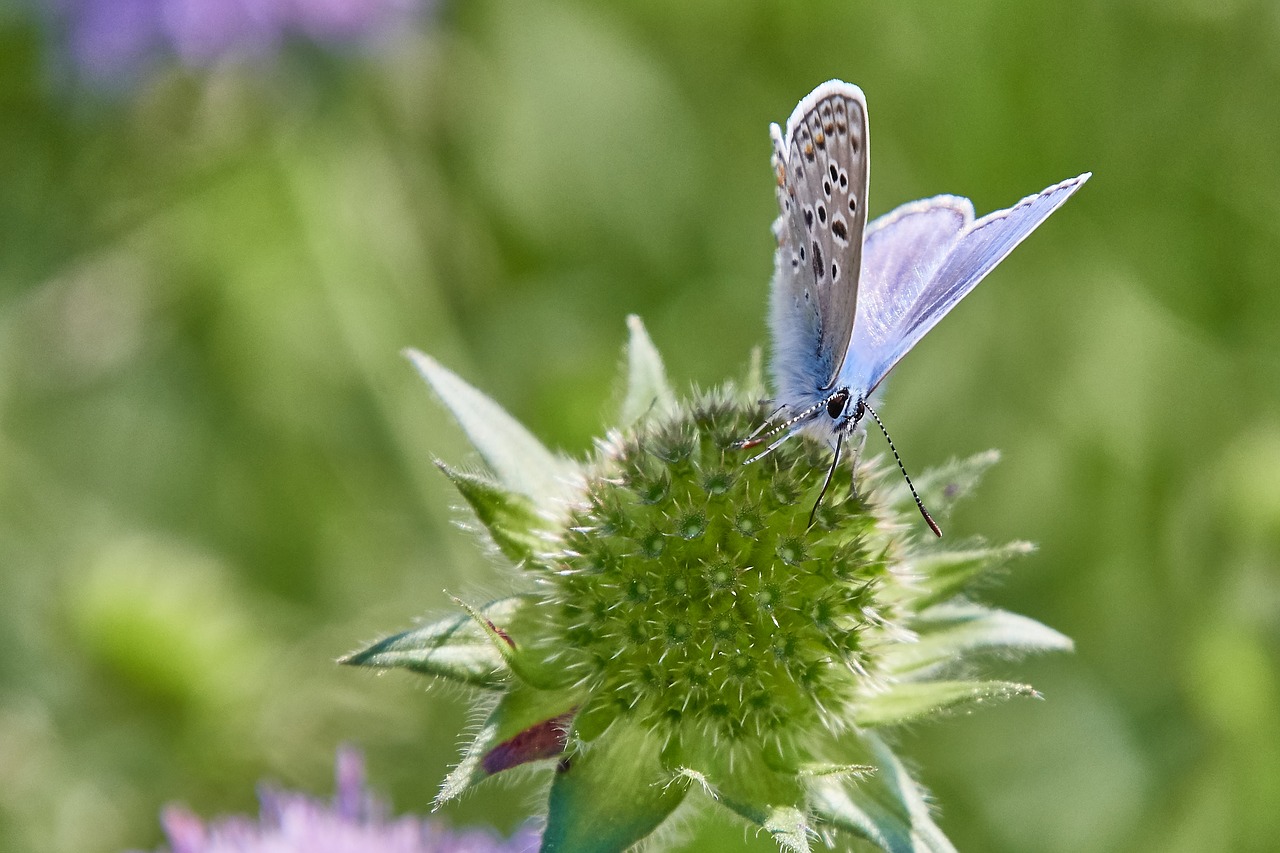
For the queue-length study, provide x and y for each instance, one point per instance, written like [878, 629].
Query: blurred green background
[215, 468]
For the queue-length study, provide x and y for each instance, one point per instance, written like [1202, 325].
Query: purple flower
[354, 822]
[114, 38]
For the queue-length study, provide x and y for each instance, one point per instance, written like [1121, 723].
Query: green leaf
[598, 713]
[887, 809]
[456, 648]
[611, 794]
[510, 518]
[943, 573]
[519, 460]
[838, 771]
[789, 827]
[908, 701]
[951, 631]
[647, 389]
[747, 785]
[499, 639]
[941, 487]
[529, 661]
[534, 653]
[526, 725]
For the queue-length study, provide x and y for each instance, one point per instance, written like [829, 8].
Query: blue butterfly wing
[901, 256]
[821, 166]
[920, 261]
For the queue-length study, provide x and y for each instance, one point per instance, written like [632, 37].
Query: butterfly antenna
[813, 513]
[928, 519]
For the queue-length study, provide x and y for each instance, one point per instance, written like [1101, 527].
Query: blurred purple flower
[355, 822]
[112, 38]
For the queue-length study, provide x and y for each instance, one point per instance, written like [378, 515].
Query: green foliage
[887, 808]
[519, 460]
[456, 647]
[611, 794]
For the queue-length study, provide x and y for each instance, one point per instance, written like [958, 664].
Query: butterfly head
[845, 410]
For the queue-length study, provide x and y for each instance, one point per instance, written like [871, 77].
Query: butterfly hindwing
[821, 165]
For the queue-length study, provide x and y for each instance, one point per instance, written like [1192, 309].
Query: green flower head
[687, 632]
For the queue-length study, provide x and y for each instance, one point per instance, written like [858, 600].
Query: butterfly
[848, 299]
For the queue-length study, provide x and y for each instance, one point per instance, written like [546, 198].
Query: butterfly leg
[772, 447]
[750, 441]
[853, 472]
[835, 461]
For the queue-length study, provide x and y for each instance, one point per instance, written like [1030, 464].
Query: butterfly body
[849, 299]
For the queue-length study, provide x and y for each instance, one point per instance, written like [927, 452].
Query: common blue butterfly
[849, 300]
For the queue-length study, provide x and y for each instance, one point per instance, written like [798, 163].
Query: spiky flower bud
[686, 629]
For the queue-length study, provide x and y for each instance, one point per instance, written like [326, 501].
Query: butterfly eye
[859, 411]
[835, 406]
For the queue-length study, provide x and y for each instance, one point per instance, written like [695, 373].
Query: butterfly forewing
[821, 164]
[899, 308]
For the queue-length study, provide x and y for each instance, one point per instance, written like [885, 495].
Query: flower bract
[684, 632]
